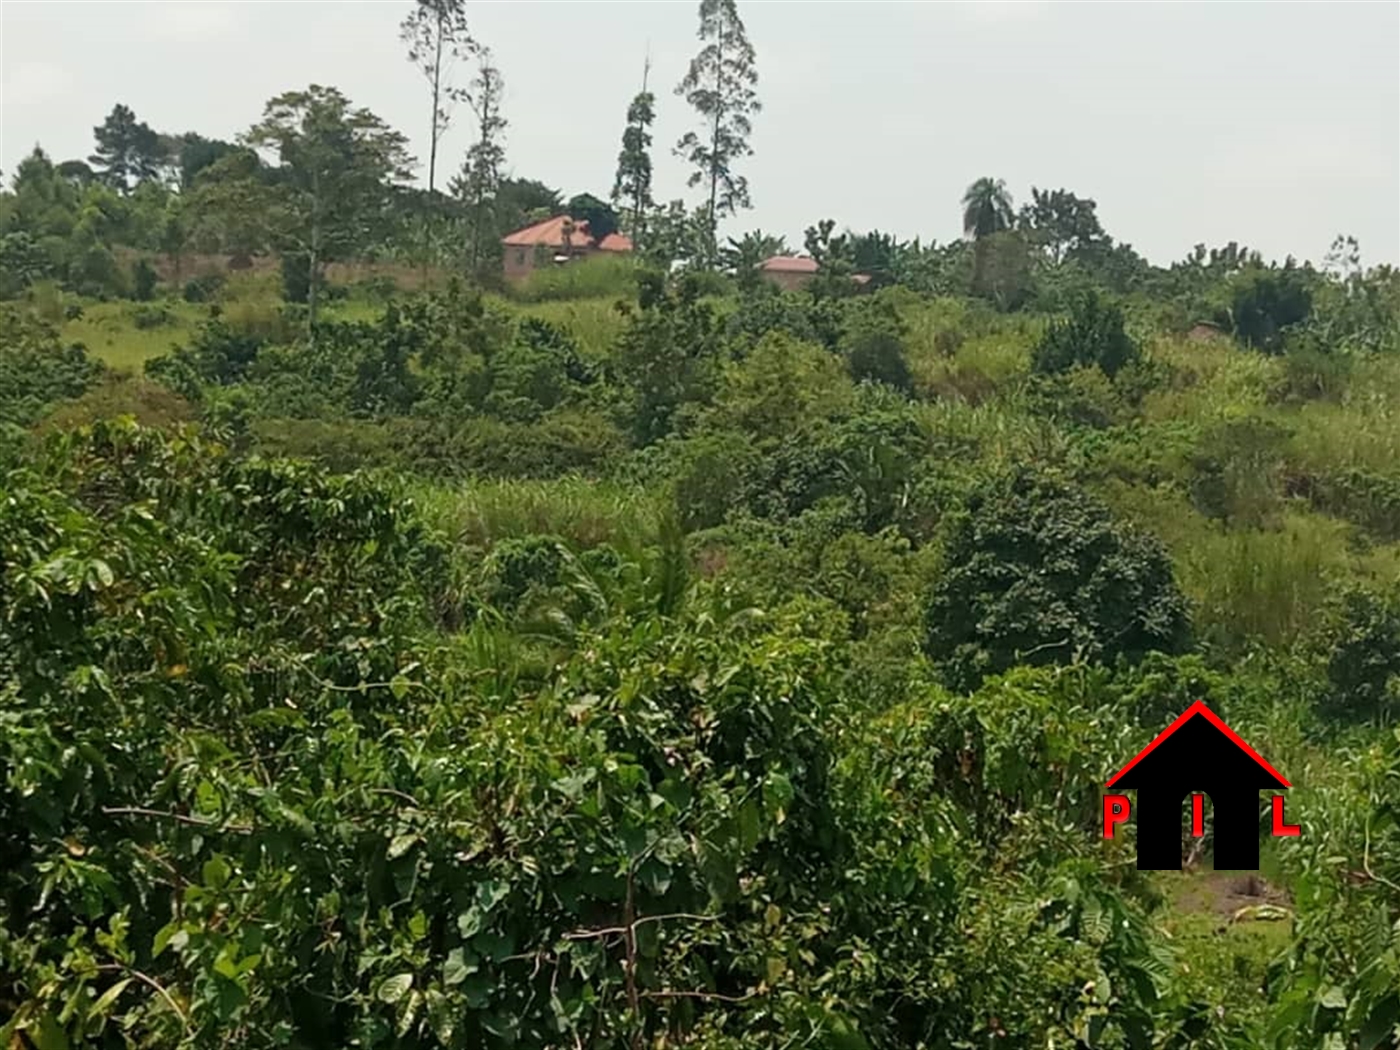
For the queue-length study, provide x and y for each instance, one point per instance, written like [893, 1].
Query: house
[558, 240]
[1197, 753]
[788, 272]
[1204, 330]
[791, 272]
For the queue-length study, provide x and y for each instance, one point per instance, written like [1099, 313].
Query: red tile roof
[550, 234]
[615, 242]
[789, 264]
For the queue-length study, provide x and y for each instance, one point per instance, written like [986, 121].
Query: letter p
[1115, 811]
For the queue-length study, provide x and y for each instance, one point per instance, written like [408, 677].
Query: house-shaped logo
[1197, 755]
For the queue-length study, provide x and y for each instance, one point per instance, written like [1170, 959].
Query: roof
[789, 264]
[550, 234]
[1197, 725]
[615, 242]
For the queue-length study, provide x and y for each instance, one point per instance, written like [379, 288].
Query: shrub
[296, 277]
[1092, 335]
[204, 288]
[712, 477]
[872, 342]
[1037, 571]
[143, 281]
[519, 565]
[1362, 651]
[1264, 303]
[35, 369]
[147, 316]
[604, 274]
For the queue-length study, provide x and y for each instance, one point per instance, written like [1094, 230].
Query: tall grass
[108, 332]
[594, 323]
[584, 513]
[608, 273]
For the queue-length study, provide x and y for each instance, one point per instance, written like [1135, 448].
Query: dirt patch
[1224, 893]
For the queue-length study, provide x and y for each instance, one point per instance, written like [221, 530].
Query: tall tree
[720, 84]
[338, 164]
[986, 211]
[128, 151]
[437, 36]
[480, 180]
[1063, 226]
[194, 153]
[633, 183]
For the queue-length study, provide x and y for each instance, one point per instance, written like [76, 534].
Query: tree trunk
[713, 246]
[313, 258]
[432, 150]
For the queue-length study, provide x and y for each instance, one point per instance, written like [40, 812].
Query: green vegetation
[641, 655]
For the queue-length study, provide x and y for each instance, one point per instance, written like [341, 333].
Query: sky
[1274, 125]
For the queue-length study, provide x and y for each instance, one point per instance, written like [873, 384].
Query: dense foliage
[646, 655]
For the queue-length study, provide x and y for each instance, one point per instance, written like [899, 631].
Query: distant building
[554, 242]
[789, 272]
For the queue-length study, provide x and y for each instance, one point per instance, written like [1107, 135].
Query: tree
[480, 180]
[834, 258]
[720, 86]
[633, 182]
[233, 208]
[986, 211]
[128, 151]
[337, 166]
[1092, 335]
[743, 257]
[1063, 226]
[601, 219]
[437, 36]
[1264, 301]
[194, 153]
[1038, 571]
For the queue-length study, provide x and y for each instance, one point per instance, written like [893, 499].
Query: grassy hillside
[685, 665]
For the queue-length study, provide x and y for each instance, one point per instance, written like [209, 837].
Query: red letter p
[1115, 811]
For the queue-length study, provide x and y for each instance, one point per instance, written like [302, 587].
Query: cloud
[189, 23]
[34, 83]
[1000, 11]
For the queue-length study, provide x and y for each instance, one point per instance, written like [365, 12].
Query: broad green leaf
[401, 844]
[1334, 998]
[456, 969]
[394, 988]
[216, 873]
[104, 1002]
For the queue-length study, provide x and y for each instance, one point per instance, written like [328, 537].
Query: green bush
[203, 289]
[1036, 572]
[872, 342]
[36, 371]
[1263, 303]
[1092, 335]
[143, 281]
[1362, 652]
[604, 274]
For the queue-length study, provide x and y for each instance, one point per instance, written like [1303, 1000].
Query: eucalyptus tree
[721, 86]
[633, 182]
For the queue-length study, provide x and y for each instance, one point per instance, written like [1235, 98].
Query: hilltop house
[791, 272]
[555, 241]
[788, 272]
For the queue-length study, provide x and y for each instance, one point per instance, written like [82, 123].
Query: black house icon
[1198, 753]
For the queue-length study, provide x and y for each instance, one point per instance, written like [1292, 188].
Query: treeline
[319, 179]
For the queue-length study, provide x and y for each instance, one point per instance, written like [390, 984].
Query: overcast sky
[1277, 125]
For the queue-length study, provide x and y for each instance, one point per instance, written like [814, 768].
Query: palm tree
[986, 210]
[754, 248]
